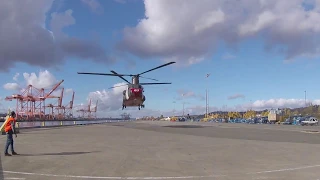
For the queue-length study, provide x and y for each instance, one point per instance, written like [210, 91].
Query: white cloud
[189, 30]
[43, 80]
[94, 5]
[236, 96]
[109, 100]
[41, 46]
[184, 94]
[69, 90]
[11, 86]
[15, 77]
[272, 103]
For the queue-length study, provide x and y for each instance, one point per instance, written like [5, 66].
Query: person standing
[10, 129]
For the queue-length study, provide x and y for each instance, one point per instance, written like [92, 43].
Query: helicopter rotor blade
[117, 86]
[157, 67]
[120, 76]
[148, 78]
[153, 83]
[103, 74]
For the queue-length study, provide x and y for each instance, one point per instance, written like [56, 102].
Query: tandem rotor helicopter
[133, 96]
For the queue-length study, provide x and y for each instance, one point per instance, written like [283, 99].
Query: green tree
[234, 115]
[308, 110]
[249, 114]
[265, 113]
[296, 112]
[318, 110]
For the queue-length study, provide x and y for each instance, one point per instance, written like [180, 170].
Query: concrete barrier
[57, 123]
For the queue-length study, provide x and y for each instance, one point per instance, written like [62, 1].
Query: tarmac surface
[166, 150]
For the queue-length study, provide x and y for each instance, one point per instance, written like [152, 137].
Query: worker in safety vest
[9, 128]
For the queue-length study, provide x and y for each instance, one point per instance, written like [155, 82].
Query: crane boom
[53, 89]
[71, 103]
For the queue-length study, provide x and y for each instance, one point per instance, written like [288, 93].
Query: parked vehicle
[310, 121]
[288, 121]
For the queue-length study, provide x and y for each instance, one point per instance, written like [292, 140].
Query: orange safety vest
[8, 127]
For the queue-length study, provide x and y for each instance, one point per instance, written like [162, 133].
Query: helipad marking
[153, 178]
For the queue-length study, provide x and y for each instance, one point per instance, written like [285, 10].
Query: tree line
[311, 110]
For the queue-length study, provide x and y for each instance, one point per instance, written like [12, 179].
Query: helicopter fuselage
[133, 96]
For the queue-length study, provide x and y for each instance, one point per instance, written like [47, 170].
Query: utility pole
[207, 101]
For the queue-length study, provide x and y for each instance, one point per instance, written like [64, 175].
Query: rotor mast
[135, 80]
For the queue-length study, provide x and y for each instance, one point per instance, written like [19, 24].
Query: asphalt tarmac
[166, 150]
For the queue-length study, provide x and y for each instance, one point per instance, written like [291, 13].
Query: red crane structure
[53, 114]
[65, 111]
[87, 112]
[31, 103]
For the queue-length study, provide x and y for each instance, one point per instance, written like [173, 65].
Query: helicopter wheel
[139, 107]
[142, 106]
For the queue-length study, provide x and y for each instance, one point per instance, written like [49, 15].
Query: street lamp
[174, 107]
[207, 101]
[305, 98]
[183, 105]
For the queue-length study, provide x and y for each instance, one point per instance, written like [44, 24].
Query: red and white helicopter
[133, 95]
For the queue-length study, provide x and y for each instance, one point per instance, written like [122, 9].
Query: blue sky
[245, 69]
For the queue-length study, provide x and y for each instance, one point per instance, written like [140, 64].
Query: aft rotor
[135, 80]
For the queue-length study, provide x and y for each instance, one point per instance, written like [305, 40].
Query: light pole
[183, 109]
[207, 101]
[174, 108]
[182, 105]
[305, 98]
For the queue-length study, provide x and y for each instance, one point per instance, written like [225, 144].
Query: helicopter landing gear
[123, 106]
[141, 106]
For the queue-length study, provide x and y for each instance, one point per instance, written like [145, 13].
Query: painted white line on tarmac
[155, 178]
[287, 169]
[104, 177]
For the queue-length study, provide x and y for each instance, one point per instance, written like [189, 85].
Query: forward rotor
[140, 84]
[131, 75]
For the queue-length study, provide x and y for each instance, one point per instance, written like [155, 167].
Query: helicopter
[133, 95]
